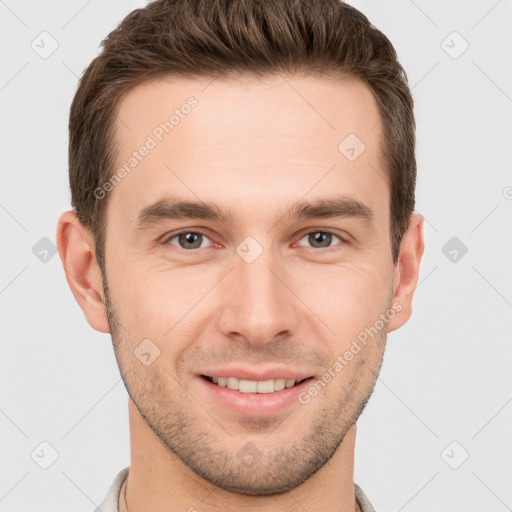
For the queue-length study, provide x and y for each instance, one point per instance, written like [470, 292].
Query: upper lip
[259, 375]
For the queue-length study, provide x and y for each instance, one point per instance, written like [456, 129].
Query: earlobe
[407, 271]
[76, 251]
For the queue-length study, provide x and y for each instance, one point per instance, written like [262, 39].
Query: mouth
[254, 386]
[254, 398]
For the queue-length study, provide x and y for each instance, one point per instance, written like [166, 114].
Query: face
[275, 273]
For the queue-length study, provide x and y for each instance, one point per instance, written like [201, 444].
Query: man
[242, 176]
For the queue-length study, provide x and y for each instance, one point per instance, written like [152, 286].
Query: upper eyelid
[344, 240]
[172, 235]
[309, 231]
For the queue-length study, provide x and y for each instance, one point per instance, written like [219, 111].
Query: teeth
[266, 386]
[253, 386]
[246, 386]
[290, 383]
[233, 383]
[279, 384]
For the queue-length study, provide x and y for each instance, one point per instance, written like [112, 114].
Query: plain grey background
[436, 435]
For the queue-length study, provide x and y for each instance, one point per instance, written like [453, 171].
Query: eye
[321, 239]
[188, 240]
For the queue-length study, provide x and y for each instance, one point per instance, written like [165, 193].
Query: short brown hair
[212, 38]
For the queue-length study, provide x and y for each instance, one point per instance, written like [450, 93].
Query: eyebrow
[171, 208]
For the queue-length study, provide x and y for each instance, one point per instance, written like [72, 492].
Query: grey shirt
[114, 501]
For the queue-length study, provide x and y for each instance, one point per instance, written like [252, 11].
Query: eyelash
[167, 239]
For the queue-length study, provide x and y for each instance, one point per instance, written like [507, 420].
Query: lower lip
[255, 404]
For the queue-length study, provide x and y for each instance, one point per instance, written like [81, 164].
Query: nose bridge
[258, 306]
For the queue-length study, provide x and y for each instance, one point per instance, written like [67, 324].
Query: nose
[257, 303]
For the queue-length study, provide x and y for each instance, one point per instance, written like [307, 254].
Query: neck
[159, 480]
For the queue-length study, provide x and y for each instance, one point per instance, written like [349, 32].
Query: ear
[76, 251]
[407, 272]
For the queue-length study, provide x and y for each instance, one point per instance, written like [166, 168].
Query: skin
[253, 146]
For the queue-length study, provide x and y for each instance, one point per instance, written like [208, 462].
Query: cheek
[347, 297]
[157, 302]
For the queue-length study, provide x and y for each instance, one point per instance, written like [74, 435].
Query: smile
[254, 386]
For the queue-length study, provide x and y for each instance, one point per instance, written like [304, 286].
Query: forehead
[317, 110]
[244, 142]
